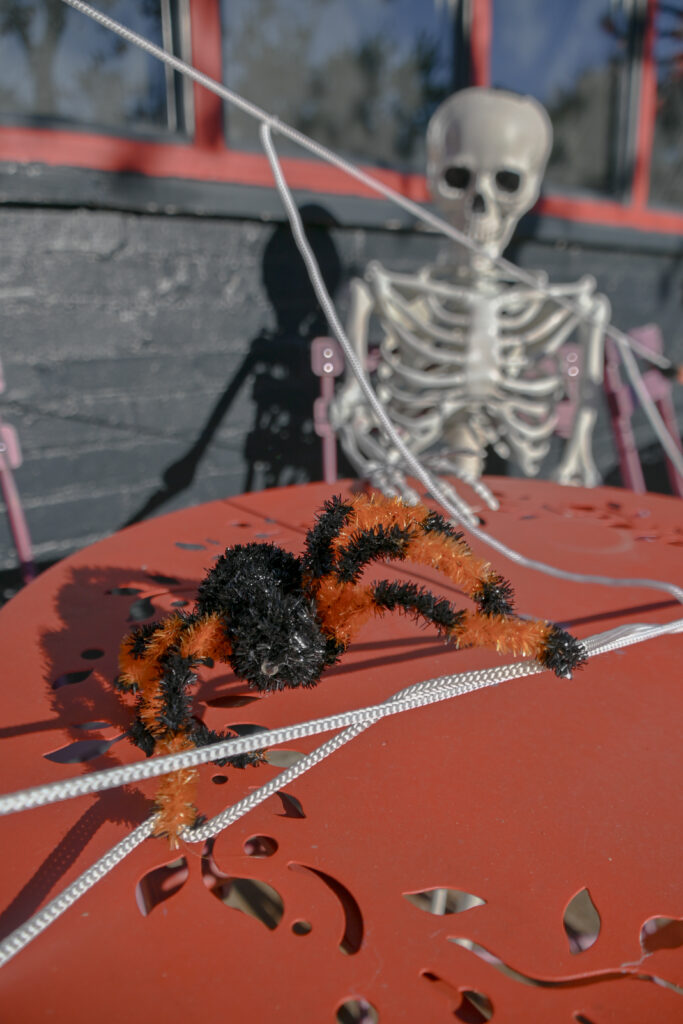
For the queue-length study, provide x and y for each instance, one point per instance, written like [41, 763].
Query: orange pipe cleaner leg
[157, 663]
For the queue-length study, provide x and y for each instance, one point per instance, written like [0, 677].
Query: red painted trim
[176, 160]
[611, 214]
[218, 164]
[647, 110]
[207, 56]
[480, 42]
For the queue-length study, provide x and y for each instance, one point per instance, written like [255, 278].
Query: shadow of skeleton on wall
[281, 447]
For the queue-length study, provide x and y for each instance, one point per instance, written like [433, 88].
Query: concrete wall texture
[154, 362]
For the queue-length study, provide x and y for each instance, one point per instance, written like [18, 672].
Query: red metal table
[534, 796]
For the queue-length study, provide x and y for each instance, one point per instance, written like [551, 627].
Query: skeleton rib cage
[482, 354]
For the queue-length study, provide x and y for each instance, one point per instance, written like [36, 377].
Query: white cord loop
[112, 778]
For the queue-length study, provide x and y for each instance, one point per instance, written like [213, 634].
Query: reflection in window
[666, 182]
[573, 58]
[57, 64]
[360, 76]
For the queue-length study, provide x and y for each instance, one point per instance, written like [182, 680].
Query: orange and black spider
[280, 620]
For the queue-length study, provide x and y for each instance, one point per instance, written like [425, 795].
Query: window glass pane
[570, 55]
[666, 182]
[58, 64]
[360, 76]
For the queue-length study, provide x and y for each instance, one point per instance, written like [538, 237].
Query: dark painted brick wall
[154, 362]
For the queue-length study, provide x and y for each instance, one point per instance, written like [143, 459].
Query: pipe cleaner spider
[279, 620]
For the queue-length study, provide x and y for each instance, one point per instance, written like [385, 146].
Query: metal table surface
[556, 804]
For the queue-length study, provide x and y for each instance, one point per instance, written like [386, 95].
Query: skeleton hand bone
[577, 467]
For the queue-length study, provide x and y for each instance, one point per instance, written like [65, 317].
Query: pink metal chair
[10, 459]
[571, 365]
[622, 406]
[327, 362]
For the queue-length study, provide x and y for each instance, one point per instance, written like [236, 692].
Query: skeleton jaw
[489, 232]
[482, 228]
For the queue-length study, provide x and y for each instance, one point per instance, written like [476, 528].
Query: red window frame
[207, 157]
[634, 212]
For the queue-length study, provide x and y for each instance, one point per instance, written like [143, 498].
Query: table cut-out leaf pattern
[160, 884]
[81, 750]
[70, 678]
[141, 609]
[357, 1011]
[661, 933]
[581, 922]
[354, 928]
[440, 901]
[633, 972]
[466, 1004]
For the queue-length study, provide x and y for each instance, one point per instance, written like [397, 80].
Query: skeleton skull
[487, 150]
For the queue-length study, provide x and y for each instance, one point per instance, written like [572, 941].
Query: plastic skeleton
[279, 620]
[469, 358]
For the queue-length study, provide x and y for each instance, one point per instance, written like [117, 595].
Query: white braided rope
[252, 800]
[418, 695]
[436, 689]
[32, 928]
[625, 636]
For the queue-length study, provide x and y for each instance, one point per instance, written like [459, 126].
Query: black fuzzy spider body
[269, 619]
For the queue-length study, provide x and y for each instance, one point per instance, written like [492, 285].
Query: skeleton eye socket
[508, 181]
[457, 177]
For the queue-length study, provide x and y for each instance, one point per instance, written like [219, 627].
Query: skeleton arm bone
[348, 411]
[349, 397]
[577, 465]
[363, 444]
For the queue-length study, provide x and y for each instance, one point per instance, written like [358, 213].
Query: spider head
[282, 646]
[270, 622]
